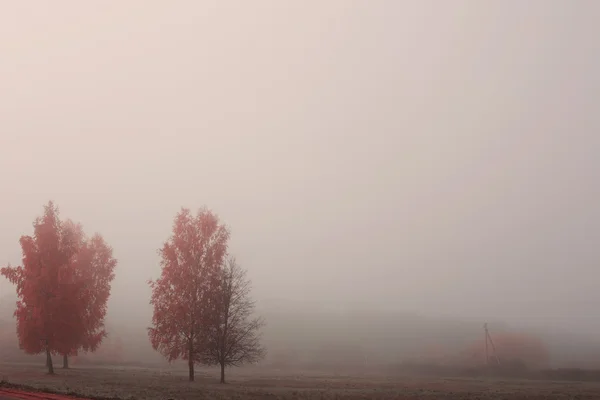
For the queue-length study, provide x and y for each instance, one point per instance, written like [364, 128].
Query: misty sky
[427, 156]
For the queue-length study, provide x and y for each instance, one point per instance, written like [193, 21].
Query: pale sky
[428, 156]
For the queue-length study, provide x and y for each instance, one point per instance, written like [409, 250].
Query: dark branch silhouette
[234, 337]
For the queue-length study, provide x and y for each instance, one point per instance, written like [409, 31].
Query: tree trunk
[191, 367]
[49, 362]
[65, 361]
[191, 360]
[222, 372]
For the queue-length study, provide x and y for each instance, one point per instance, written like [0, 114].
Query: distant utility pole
[488, 340]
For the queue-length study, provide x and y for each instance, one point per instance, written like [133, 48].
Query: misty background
[434, 159]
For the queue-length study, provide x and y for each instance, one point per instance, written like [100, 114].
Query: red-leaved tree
[93, 266]
[183, 296]
[61, 287]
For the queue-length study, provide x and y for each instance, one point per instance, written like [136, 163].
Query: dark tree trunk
[65, 361]
[191, 367]
[222, 372]
[191, 361]
[49, 362]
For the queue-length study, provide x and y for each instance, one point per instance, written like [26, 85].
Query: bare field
[141, 383]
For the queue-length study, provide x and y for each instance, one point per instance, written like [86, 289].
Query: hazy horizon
[427, 157]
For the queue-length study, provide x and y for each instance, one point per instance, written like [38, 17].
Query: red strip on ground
[22, 395]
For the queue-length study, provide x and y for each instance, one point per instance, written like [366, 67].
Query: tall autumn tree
[62, 288]
[233, 338]
[183, 296]
[44, 308]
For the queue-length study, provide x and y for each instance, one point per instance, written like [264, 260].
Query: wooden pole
[485, 332]
[494, 348]
[488, 340]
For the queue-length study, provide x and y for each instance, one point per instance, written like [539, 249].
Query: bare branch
[234, 337]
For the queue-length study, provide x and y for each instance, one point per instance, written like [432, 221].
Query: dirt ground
[140, 383]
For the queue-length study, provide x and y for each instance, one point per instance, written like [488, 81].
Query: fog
[429, 158]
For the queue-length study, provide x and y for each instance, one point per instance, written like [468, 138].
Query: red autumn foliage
[95, 266]
[62, 288]
[183, 295]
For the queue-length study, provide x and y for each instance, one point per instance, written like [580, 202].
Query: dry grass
[139, 383]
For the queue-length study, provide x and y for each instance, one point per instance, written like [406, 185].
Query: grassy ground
[139, 383]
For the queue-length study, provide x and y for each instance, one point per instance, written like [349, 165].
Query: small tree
[233, 338]
[94, 267]
[183, 295]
